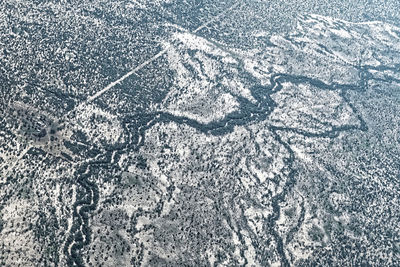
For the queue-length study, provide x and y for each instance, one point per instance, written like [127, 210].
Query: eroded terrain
[158, 133]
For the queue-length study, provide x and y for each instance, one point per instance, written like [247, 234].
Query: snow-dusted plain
[199, 133]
